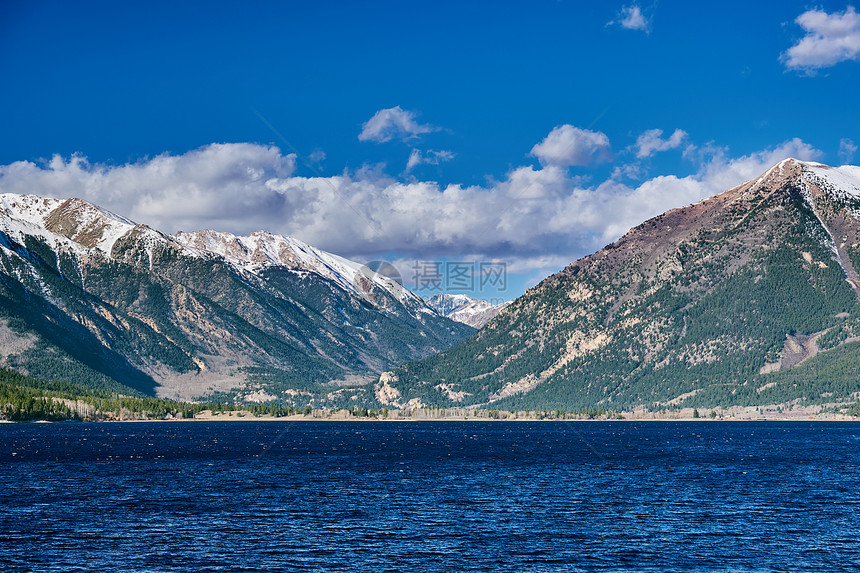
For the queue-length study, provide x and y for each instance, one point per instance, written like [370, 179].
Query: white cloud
[218, 184]
[629, 170]
[829, 39]
[429, 157]
[847, 149]
[651, 142]
[720, 172]
[567, 145]
[632, 18]
[393, 123]
[532, 217]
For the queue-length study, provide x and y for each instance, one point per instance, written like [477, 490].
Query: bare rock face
[703, 305]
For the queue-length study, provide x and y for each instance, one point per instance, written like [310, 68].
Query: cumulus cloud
[393, 123]
[651, 142]
[567, 145]
[429, 157]
[531, 216]
[829, 39]
[847, 149]
[219, 184]
[632, 18]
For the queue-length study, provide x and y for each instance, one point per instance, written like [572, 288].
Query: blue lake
[427, 496]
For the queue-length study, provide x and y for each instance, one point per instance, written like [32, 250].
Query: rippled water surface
[399, 496]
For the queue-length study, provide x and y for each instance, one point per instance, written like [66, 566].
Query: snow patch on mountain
[18, 228]
[28, 208]
[843, 181]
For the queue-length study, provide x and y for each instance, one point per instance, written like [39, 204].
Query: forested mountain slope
[88, 296]
[724, 302]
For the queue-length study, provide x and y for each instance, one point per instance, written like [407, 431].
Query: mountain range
[749, 297]
[466, 309]
[90, 297]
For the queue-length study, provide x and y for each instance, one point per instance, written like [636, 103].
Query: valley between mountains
[748, 298]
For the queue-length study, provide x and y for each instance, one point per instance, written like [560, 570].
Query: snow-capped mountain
[262, 249]
[83, 223]
[74, 225]
[747, 298]
[91, 226]
[89, 296]
[466, 309]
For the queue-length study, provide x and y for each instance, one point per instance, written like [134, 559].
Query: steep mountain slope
[713, 304]
[89, 296]
[466, 309]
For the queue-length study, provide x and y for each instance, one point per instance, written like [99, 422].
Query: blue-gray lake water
[426, 496]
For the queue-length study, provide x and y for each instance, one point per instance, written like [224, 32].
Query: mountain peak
[76, 219]
[703, 305]
[795, 161]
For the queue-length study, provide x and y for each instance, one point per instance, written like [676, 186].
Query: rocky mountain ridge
[263, 249]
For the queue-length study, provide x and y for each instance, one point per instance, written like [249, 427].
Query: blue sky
[514, 132]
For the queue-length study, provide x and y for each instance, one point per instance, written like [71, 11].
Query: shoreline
[770, 413]
[735, 413]
[395, 416]
[311, 419]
